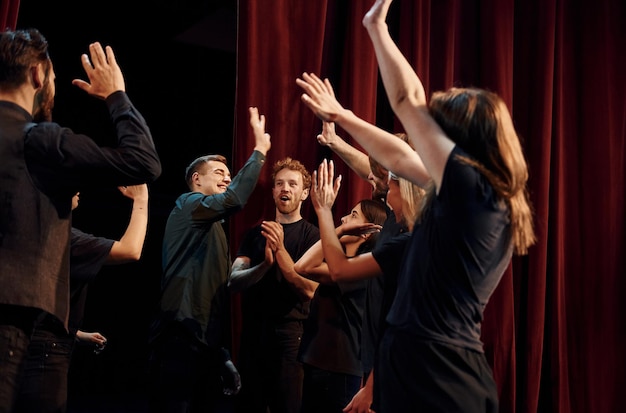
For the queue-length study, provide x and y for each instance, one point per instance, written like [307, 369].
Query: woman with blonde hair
[477, 215]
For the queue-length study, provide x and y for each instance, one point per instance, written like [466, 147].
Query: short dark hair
[198, 166]
[19, 50]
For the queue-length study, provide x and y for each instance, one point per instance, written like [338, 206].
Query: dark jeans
[327, 392]
[271, 375]
[44, 383]
[13, 350]
[185, 376]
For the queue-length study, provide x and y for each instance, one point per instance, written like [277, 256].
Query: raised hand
[319, 97]
[261, 138]
[134, 192]
[324, 190]
[105, 76]
[328, 135]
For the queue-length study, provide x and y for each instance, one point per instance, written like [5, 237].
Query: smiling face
[213, 179]
[288, 191]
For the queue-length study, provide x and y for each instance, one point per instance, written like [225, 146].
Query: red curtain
[8, 13]
[554, 330]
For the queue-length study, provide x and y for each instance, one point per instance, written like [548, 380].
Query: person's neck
[290, 218]
[20, 97]
[353, 247]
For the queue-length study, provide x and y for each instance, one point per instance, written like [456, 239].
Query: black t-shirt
[87, 256]
[272, 298]
[454, 261]
[376, 288]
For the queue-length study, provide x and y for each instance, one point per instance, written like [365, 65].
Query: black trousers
[413, 375]
[184, 375]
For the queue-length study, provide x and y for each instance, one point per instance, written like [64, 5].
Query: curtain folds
[554, 328]
[8, 13]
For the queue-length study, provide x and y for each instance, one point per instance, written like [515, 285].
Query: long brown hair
[479, 122]
[375, 212]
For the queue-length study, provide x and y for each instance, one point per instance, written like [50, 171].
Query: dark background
[178, 59]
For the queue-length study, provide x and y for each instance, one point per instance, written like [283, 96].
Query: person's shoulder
[43, 131]
[188, 197]
[309, 226]
[77, 234]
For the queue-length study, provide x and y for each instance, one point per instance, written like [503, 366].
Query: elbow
[154, 171]
[134, 255]
[308, 295]
[150, 167]
[406, 99]
[337, 269]
[333, 273]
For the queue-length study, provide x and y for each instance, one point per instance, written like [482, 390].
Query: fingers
[272, 229]
[337, 184]
[329, 167]
[314, 181]
[98, 57]
[322, 173]
[328, 127]
[84, 59]
[81, 84]
[329, 88]
[110, 56]
[256, 121]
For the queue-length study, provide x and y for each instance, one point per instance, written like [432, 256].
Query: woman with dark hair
[331, 342]
[477, 215]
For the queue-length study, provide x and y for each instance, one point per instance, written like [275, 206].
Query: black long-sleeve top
[43, 165]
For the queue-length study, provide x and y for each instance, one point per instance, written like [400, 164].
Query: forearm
[130, 246]
[313, 257]
[243, 184]
[332, 251]
[141, 160]
[407, 97]
[312, 266]
[303, 287]
[391, 152]
[404, 88]
[354, 158]
[242, 277]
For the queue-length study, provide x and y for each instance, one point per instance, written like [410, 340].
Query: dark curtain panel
[8, 13]
[554, 328]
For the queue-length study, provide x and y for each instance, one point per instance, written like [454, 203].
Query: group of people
[45, 263]
[379, 313]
